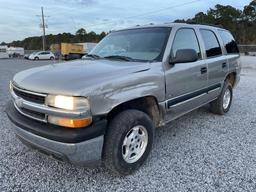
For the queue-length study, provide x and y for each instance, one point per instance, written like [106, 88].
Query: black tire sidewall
[127, 120]
[150, 133]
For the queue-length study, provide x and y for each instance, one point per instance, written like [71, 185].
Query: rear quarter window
[229, 42]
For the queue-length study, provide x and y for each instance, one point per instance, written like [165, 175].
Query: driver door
[185, 82]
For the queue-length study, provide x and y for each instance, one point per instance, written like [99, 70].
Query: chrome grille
[22, 97]
[31, 114]
[28, 96]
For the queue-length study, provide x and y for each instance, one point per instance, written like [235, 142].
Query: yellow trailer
[71, 48]
[68, 50]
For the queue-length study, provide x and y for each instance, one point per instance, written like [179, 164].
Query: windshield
[144, 44]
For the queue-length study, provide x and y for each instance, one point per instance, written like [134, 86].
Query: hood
[71, 78]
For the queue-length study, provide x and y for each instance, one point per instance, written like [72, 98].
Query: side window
[211, 43]
[229, 42]
[185, 39]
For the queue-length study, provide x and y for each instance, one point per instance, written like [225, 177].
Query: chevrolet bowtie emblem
[19, 102]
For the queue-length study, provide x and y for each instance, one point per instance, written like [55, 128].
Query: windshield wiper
[125, 58]
[94, 56]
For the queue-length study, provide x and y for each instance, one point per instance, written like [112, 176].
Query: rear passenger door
[216, 62]
[185, 82]
[231, 50]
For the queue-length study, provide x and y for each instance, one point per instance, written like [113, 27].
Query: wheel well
[148, 105]
[231, 78]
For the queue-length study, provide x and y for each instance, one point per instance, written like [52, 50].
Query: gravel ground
[197, 152]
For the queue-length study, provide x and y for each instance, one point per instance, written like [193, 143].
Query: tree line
[35, 43]
[242, 24]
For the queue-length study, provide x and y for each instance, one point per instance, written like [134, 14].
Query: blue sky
[18, 18]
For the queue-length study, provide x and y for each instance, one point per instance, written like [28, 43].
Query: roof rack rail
[209, 24]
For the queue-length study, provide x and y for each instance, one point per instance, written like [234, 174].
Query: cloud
[18, 18]
[77, 2]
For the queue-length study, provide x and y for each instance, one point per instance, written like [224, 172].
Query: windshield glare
[145, 44]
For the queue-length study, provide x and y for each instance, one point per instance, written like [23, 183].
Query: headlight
[67, 102]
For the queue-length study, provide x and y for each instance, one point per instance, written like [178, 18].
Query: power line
[148, 13]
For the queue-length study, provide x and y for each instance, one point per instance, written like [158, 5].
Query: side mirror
[184, 56]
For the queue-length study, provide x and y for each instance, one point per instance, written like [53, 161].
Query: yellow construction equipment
[68, 50]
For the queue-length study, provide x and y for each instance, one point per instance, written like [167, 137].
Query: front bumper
[77, 146]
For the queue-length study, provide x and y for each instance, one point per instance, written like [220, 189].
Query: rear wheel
[51, 58]
[222, 104]
[128, 142]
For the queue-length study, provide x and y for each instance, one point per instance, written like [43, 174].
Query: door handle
[224, 65]
[203, 70]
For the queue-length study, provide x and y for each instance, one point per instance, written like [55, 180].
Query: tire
[51, 58]
[218, 106]
[36, 58]
[121, 127]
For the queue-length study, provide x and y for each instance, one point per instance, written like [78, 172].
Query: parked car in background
[42, 55]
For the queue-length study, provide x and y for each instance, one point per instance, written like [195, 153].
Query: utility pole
[43, 26]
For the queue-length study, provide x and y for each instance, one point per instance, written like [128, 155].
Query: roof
[172, 25]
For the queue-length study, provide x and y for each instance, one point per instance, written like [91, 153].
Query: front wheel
[222, 104]
[128, 142]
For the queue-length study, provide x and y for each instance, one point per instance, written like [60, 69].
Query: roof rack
[213, 25]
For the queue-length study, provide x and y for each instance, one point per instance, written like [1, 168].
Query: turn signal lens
[71, 123]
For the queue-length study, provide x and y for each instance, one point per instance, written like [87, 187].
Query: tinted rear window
[229, 41]
[211, 43]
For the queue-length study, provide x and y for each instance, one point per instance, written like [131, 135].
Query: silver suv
[106, 107]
